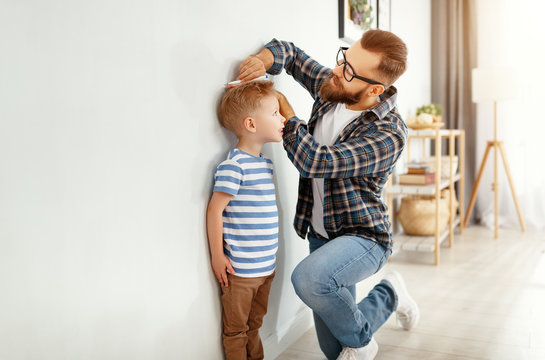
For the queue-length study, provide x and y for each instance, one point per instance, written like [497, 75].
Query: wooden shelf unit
[433, 243]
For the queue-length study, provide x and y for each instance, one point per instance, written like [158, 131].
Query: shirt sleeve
[228, 177]
[372, 154]
[305, 70]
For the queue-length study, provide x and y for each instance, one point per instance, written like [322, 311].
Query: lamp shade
[494, 84]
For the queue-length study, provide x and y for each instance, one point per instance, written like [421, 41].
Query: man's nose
[338, 71]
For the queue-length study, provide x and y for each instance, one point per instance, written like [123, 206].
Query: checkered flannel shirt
[355, 169]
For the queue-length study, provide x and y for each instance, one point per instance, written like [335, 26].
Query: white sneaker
[407, 310]
[368, 352]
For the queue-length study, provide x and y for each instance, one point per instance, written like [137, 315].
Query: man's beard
[338, 95]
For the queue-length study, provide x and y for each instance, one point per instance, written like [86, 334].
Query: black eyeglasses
[348, 71]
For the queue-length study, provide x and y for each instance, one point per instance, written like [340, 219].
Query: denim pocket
[384, 259]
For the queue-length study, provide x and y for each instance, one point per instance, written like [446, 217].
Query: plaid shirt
[355, 169]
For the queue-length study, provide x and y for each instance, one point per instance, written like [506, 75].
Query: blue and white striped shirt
[250, 220]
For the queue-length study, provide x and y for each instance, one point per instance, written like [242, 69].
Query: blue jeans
[325, 281]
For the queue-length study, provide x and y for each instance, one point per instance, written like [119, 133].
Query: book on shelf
[417, 168]
[417, 179]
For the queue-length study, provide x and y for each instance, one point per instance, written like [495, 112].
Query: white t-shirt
[326, 132]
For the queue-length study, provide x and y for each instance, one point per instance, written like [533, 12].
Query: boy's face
[269, 122]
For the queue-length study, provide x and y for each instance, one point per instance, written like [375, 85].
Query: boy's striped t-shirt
[250, 220]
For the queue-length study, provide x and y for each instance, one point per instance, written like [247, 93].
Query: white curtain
[512, 34]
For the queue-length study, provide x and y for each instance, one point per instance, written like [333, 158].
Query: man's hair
[241, 101]
[392, 50]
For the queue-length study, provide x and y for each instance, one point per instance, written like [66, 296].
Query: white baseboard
[285, 336]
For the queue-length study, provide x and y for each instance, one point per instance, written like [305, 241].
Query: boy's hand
[285, 108]
[220, 266]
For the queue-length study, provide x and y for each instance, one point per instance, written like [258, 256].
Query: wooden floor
[485, 300]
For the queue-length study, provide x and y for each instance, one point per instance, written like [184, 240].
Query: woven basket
[417, 214]
[445, 164]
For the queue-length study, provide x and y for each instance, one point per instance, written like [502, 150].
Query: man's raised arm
[278, 55]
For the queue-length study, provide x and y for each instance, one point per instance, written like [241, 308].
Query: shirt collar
[387, 103]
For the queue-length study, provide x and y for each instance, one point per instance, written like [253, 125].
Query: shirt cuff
[290, 129]
[275, 47]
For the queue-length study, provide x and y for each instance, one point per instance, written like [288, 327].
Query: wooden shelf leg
[451, 210]
[437, 191]
[462, 167]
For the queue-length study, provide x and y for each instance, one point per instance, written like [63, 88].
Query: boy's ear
[249, 124]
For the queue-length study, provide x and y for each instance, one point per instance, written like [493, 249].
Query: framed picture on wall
[358, 16]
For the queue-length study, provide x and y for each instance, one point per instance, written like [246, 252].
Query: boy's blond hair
[241, 101]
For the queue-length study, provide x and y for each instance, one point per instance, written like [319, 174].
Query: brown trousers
[244, 304]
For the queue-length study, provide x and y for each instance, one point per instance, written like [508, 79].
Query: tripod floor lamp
[493, 85]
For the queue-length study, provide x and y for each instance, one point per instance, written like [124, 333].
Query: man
[344, 156]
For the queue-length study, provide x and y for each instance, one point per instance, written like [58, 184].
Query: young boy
[242, 218]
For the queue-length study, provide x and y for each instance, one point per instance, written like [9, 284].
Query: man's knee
[298, 277]
[306, 282]
[301, 279]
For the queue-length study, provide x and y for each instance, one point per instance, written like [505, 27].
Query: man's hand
[221, 265]
[255, 65]
[251, 68]
[285, 108]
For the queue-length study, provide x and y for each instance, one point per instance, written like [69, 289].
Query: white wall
[108, 143]
[412, 21]
[509, 35]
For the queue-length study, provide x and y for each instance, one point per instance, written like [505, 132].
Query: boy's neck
[250, 147]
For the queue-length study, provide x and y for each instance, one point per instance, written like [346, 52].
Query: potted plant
[435, 110]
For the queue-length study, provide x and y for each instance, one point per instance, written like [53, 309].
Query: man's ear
[249, 124]
[376, 90]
